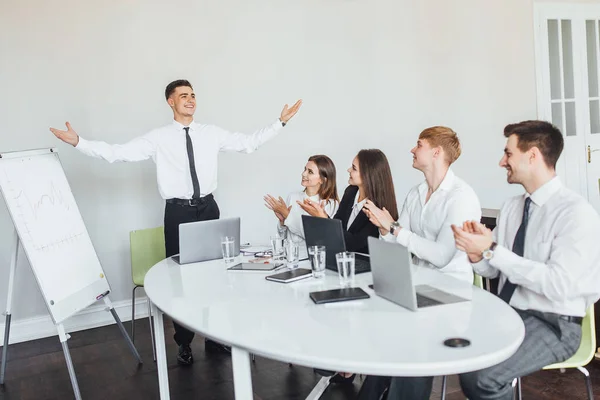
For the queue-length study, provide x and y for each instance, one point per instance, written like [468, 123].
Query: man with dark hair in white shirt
[185, 153]
[424, 227]
[545, 251]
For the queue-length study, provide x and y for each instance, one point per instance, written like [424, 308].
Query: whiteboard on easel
[51, 231]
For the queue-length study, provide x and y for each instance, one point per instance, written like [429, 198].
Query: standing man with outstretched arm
[185, 153]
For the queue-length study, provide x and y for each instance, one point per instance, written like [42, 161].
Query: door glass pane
[557, 117]
[567, 48]
[555, 87]
[570, 111]
[592, 58]
[594, 116]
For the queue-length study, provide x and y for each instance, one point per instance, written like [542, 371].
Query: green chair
[147, 248]
[583, 356]
[477, 281]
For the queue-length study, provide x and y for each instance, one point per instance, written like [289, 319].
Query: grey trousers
[548, 339]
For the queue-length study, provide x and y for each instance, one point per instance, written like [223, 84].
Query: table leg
[161, 354]
[242, 377]
[319, 389]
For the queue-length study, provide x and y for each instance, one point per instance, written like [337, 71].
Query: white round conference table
[372, 336]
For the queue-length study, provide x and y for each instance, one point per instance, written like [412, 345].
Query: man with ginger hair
[424, 227]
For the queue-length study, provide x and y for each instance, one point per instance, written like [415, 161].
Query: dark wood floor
[107, 370]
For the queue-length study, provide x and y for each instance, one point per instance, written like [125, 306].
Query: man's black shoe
[338, 378]
[185, 357]
[211, 345]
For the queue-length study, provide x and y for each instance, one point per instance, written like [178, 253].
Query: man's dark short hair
[174, 85]
[541, 134]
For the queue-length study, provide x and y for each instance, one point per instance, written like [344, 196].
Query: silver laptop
[393, 280]
[201, 241]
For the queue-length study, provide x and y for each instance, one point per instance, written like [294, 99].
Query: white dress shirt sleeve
[331, 207]
[294, 219]
[240, 142]
[404, 217]
[483, 267]
[573, 252]
[439, 252]
[403, 220]
[138, 149]
[282, 230]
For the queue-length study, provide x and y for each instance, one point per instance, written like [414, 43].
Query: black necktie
[518, 248]
[190, 151]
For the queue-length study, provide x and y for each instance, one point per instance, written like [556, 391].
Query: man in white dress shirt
[185, 153]
[430, 208]
[424, 227]
[545, 252]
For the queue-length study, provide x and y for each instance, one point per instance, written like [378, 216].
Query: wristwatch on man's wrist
[394, 227]
[488, 254]
[282, 123]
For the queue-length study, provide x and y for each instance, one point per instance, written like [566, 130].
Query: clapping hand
[473, 238]
[278, 206]
[314, 208]
[381, 218]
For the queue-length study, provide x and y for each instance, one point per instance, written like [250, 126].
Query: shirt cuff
[388, 237]
[505, 261]
[403, 237]
[84, 146]
[282, 229]
[81, 143]
[480, 265]
[277, 125]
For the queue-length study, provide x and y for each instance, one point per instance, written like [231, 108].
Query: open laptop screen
[325, 232]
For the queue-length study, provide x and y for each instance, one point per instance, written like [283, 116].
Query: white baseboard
[92, 317]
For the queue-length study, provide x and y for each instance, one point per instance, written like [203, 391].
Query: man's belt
[191, 202]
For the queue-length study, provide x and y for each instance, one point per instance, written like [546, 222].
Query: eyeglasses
[258, 254]
[267, 253]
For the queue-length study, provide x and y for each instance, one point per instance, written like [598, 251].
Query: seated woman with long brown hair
[319, 181]
[370, 179]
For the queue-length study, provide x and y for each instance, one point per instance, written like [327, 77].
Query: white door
[592, 128]
[567, 38]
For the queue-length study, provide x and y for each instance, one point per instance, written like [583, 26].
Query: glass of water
[292, 253]
[317, 254]
[227, 247]
[345, 265]
[277, 245]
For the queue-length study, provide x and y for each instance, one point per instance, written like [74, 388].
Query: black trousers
[176, 214]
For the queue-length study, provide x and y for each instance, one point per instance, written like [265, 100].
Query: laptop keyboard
[423, 301]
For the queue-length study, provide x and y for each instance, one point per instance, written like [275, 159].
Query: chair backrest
[478, 281]
[588, 334]
[587, 347]
[147, 248]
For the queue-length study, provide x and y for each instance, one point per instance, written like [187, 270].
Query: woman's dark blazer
[361, 228]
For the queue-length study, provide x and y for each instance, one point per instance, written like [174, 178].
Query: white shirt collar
[356, 203]
[448, 181]
[180, 126]
[543, 193]
[314, 197]
[446, 184]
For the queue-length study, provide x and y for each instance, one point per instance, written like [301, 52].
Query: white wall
[372, 73]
